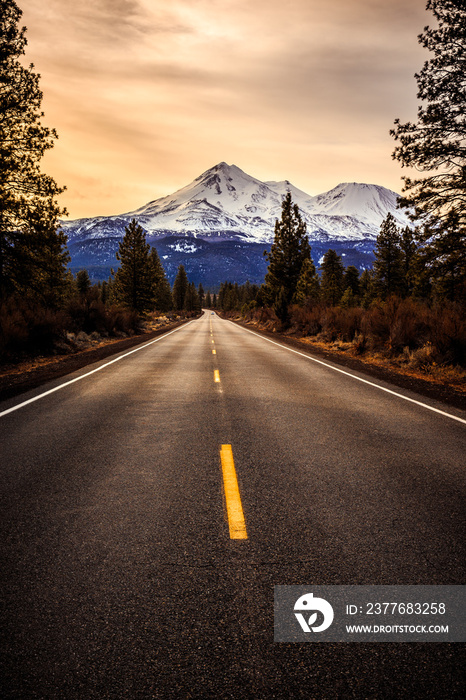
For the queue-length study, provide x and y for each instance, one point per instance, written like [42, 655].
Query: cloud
[154, 88]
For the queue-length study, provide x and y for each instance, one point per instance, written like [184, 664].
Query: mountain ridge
[225, 203]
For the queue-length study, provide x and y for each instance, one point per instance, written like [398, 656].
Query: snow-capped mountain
[225, 203]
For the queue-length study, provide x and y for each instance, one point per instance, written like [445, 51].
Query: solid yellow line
[235, 513]
[216, 375]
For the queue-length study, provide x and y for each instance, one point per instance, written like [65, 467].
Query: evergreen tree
[104, 292]
[208, 300]
[409, 260]
[134, 280]
[388, 264]
[435, 143]
[83, 282]
[445, 257]
[307, 288]
[201, 294]
[180, 288]
[162, 293]
[332, 277]
[366, 288]
[350, 287]
[351, 280]
[289, 251]
[191, 300]
[33, 255]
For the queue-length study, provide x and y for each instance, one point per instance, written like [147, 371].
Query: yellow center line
[216, 375]
[214, 352]
[235, 513]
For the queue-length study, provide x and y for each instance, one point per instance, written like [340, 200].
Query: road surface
[119, 574]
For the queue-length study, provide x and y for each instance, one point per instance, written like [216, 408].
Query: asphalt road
[119, 576]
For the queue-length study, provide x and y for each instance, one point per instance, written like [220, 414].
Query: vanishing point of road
[150, 503]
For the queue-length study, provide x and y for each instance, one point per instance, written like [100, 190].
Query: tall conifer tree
[289, 250]
[388, 264]
[162, 293]
[332, 277]
[33, 253]
[180, 288]
[135, 280]
[307, 288]
[435, 144]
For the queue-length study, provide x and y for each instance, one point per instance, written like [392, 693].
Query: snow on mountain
[369, 202]
[225, 203]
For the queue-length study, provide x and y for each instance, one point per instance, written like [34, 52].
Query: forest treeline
[401, 307]
[136, 293]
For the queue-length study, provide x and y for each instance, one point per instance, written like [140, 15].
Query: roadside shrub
[120, 320]
[306, 320]
[28, 329]
[448, 332]
[418, 335]
[409, 326]
[375, 326]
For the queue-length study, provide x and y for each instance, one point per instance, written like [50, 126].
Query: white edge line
[88, 374]
[353, 376]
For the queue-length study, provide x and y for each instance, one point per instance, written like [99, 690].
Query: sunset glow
[146, 95]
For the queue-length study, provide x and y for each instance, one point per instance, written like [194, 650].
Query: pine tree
[104, 292]
[332, 277]
[162, 293]
[289, 251]
[445, 258]
[388, 264]
[191, 299]
[409, 260]
[350, 287]
[307, 288]
[134, 280]
[366, 288]
[33, 255]
[180, 288]
[351, 280]
[201, 294]
[208, 300]
[83, 282]
[435, 143]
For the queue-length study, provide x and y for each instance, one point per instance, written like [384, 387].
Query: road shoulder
[425, 387]
[30, 375]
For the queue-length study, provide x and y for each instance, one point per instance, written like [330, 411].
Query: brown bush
[375, 327]
[306, 320]
[29, 329]
[409, 326]
[397, 327]
[448, 332]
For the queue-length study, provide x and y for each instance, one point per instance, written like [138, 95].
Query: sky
[148, 94]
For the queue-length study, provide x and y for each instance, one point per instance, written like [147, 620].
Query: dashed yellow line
[216, 375]
[214, 352]
[236, 521]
